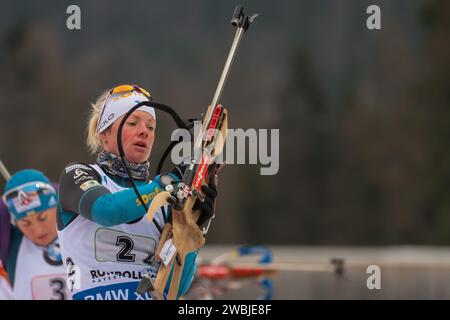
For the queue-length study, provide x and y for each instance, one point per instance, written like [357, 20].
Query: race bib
[50, 287]
[117, 246]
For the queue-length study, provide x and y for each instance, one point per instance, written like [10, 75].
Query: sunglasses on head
[129, 88]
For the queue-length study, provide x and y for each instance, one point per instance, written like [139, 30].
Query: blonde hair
[93, 141]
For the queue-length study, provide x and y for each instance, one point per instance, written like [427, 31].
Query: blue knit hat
[28, 192]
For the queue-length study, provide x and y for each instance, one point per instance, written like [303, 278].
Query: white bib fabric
[107, 263]
[37, 277]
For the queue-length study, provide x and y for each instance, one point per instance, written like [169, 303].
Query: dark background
[364, 115]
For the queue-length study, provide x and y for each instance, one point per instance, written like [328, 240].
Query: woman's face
[138, 134]
[40, 227]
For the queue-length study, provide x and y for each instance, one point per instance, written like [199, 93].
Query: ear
[104, 137]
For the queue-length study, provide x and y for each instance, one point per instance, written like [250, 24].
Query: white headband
[118, 104]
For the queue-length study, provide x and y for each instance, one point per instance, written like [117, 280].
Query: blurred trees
[433, 97]
[371, 166]
[364, 116]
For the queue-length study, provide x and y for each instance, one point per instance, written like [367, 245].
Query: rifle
[183, 235]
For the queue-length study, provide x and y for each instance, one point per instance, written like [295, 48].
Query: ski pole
[4, 171]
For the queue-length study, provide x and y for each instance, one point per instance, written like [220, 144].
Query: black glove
[210, 192]
[206, 207]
